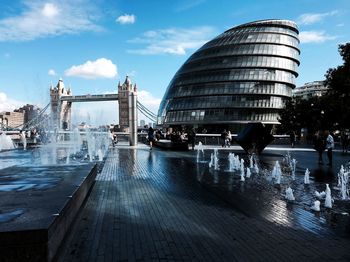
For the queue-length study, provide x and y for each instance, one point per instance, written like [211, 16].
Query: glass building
[243, 75]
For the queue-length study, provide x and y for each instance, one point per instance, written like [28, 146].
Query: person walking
[192, 137]
[229, 138]
[344, 141]
[320, 146]
[330, 146]
[150, 135]
[292, 138]
[223, 138]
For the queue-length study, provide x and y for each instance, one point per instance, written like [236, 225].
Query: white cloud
[7, 104]
[312, 18]
[57, 17]
[175, 41]
[50, 10]
[100, 68]
[51, 72]
[314, 37]
[147, 99]
[126, 19]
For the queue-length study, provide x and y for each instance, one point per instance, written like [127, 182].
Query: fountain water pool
[289, 194]
[200, 151]
[242, 170]
[248, 173]
[214, 160]
[316, 206]
[23, 139]
[256, 168]
[343, 180]
[293, 165]
[251, 162]
[277, 173]
[6, 142]
[234, 163]
[307, 177]
[328, 200]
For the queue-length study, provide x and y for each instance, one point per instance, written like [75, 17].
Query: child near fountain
[330, 146]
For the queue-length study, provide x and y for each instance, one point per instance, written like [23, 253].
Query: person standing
[223, 138]
[344, 141]
[111, 137]
[150, 137]
[229, 138]
[292, 138]
[192, 137]
[330, 146]
[320, 146]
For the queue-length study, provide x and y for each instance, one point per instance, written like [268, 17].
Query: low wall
[38, 207]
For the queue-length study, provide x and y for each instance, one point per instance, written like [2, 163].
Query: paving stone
[148, 206]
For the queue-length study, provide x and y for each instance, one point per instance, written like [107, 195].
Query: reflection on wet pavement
[27, 177]
[258, 196]
[8, 216]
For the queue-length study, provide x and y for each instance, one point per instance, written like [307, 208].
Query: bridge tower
[60, 110]
[127, 98]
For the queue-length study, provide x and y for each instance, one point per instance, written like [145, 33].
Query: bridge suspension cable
[139, 105]
[150, 117]
[146, 112]
[34, 121]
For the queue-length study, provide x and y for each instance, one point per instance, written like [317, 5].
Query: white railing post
[133, 118]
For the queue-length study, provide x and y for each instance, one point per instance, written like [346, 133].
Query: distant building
[18, 117]
[124, 91]
[60, 111]
[309, 90]
[142, 123]
[11, 120]
[30, 112]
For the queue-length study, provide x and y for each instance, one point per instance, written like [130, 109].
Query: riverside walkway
[148, 206]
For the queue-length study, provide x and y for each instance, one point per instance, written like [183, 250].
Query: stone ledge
[36, 234]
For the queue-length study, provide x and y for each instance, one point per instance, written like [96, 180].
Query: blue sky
[92, 44]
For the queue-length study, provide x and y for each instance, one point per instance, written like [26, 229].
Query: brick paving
[148, 206]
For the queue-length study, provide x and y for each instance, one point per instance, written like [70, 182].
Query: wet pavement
[164, 206]
[37, 207]
[259, 197]
[31, 196]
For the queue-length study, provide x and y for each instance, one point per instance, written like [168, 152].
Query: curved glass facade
[243, 75]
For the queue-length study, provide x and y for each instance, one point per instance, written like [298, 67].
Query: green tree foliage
[312, 114]
[338, 81]
[331, 111]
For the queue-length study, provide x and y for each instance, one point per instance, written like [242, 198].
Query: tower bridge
[61, 100]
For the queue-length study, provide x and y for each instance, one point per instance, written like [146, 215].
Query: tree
[338, 82]
[331, 111]
[301, 113]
